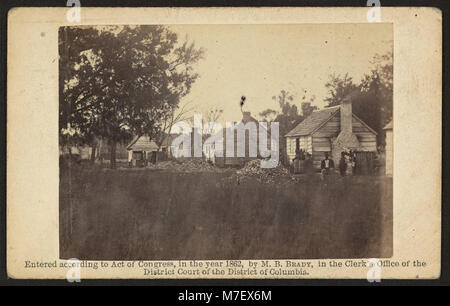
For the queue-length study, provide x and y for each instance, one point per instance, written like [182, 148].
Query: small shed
[140, 150]
[389, 130]
[331, 130]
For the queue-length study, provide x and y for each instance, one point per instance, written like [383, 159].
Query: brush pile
[252, 169]
[187, 165]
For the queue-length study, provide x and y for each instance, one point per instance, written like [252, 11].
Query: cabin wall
[389, 152]
[322, 139]
[367, 139]
[305, 144]
[321, 145]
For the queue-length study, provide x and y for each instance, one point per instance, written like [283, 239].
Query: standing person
[302, 154]
[342, 164]
[350, 163]
[309, 167]
[295, 161]
[327, 165]
[353, 158]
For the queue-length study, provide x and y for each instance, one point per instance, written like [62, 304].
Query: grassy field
[150, 214]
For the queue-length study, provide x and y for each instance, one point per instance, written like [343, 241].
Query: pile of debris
[195, 164]
[253, 169]
[187, 165]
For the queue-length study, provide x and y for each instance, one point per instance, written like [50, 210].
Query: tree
[375, 105]
[338, 88]
[380, 82]
[119, 81]
[75, 78]
[308, 108]
[372, 98]
[288, 117]
[213, 114]
[168, 119]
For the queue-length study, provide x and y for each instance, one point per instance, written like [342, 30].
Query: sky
[258, 61]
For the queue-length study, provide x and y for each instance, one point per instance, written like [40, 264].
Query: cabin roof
[389, 126]
[142, 143]
[313, 121]
[317, 119]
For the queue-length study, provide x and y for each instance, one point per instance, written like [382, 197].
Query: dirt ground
[154, 214]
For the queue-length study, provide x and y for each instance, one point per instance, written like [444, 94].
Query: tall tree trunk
[112, 159]
[94, 147]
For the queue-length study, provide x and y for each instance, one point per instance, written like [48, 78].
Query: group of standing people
[347, 164]
[306, 157]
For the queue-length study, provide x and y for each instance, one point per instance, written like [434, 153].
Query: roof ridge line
[327, 108]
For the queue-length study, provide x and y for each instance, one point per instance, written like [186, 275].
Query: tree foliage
[338, 87]
[372, 97]
[213, 114]
[119, 81]
[288, 115]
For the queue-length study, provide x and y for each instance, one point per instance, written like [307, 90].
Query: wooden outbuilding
[143, 150]
[389, 149]
[332, 130]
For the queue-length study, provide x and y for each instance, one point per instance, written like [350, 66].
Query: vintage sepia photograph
[210, 142]
[224, 144]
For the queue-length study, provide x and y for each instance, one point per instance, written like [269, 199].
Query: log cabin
[331, 130]
[142, 150]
